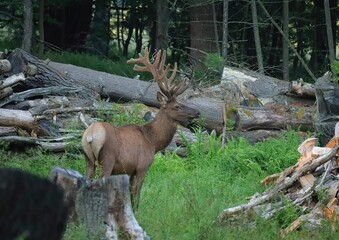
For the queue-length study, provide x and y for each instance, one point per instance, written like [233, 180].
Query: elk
[130, 149]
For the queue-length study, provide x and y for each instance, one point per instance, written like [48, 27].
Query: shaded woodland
[247, 34]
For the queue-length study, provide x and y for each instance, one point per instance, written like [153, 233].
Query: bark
[286, 39]
[225, 32]
[41, 27]
[251, 118]
[162, 22]
[46, 76]
[283, 184]
[257, 37]
[329, 33]
[28, 26]
[285, 43]
[201, 30]
[24, 120]
[17, 97]
[125, 89]
[5, 66]
[51, 145]
[301, 88]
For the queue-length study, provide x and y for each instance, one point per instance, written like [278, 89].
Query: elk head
[167, 96]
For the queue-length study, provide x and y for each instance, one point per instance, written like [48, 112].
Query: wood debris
[311, 184]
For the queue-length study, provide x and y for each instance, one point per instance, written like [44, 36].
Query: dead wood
[21, 96]
[125, 89]
[252, 118]
[5, 92]
[8, 131]
[301, 88]
[5, 66]
[40, 75]
[24, 120]
[102, 205]
[52, 144]
[316, 170]
[12, 80]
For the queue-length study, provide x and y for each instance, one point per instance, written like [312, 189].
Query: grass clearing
[181, 198]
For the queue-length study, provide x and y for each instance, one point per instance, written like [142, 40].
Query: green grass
[181, 198]
[118, 66]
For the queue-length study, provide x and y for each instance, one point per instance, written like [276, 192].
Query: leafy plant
[335, 69]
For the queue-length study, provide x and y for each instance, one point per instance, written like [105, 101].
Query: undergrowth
[181, 197]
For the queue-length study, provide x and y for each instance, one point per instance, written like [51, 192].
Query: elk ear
[161, 99]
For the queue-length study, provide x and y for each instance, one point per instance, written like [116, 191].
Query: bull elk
[130, 149]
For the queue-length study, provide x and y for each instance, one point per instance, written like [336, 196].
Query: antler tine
[159, 72]
[179, 89]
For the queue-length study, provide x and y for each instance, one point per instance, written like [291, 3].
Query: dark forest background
[198, 34]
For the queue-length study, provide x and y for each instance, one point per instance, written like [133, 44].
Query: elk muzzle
[189, 115]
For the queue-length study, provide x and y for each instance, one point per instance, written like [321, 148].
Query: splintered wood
[311, 184]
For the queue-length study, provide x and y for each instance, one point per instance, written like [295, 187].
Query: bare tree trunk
[102, 205]
[225, 32]
[41, 27]
[28, 26]
[117, 10]
[329, 33]
[286, 39]
[285, 43]
[257, 37]
[215, 27]
[162, 24]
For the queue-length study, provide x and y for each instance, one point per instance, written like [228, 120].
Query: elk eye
[177, 107]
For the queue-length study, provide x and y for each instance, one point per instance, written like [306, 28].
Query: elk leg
[136, 185]
[106, 163]
[90, 167]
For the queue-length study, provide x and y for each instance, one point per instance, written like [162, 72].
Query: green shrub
[335, 69]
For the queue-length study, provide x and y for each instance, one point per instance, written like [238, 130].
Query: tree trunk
[225, 32]
[285, 43]
[329, 34]
[22, 119]
[162, 22]
[102, 205]
[201, 29]
[99, 34]
[215, 27]
[41, 27]
[257, 37]
[45, 76]
[286, 39]
[28, 26]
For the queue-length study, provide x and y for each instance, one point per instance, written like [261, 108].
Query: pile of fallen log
[43, 97]
[38, 103]
[312, 184]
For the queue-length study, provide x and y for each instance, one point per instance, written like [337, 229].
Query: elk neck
[161, 130]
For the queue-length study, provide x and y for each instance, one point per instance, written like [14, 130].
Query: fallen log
[21, 96]
[102, 205]
[24, 120]
[52, 145]
[5, 66]
[12, 80]
[120, 89]
[39, 74]
[253, 118]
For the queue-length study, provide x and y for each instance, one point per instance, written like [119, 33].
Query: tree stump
[327, 94]
[102, 205]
